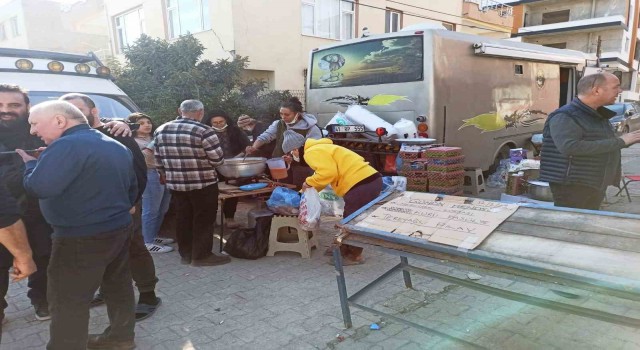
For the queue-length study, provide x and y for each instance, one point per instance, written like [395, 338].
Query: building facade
[277, 36]
[608, 28]
[489, 18]
[74, 27]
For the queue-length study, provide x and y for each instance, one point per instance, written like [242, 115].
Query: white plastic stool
[474, 181]
[281, 225]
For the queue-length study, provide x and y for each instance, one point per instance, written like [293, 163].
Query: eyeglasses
[219, 123]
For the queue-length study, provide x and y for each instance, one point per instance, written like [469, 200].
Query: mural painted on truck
[378, 61]
[514, 108]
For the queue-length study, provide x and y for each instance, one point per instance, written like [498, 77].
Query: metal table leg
[342, 287]
[221, 224]
[405, 273]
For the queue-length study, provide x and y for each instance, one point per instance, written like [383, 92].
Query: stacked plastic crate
[414, 168]
[445, 170]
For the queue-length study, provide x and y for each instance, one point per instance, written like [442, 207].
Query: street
[285, 302]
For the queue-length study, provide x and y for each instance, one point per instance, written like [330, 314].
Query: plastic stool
[474, 181]
[280, 226]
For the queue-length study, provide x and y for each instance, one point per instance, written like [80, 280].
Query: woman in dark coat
[233, 142]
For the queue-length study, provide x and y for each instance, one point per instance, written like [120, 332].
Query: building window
[557, 45]
[332, 19]
[449, 26]
[555, 17]
[393, 21]
[15, 29]
[187, 16]
[3, 33]
[129, 27]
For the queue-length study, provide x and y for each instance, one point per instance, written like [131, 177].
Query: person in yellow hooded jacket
[350, 176]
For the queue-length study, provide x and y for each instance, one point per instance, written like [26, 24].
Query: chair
[626, 180]
[474, 181]
[283, 225]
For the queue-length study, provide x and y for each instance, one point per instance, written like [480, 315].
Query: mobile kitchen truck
[484, 95]
[49, 75]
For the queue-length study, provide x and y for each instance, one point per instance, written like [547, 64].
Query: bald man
[580, 154]
[86, 191]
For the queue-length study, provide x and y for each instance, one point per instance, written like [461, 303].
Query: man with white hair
[86, 192]
[187, 154]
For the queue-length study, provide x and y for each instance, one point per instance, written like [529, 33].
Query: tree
[158, 75]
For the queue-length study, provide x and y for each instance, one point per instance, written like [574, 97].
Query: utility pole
[598, 51]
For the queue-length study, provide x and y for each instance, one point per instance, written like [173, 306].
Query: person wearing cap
[350, 176]
[255, 128]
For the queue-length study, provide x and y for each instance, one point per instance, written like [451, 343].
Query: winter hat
[292, 140]
[245, 120]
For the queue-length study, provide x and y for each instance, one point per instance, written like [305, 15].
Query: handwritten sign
[456, 221]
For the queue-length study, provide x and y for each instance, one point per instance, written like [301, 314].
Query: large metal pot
[235, 168]
[540, 190]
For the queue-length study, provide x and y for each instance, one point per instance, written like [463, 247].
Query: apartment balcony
[589, 24]
[488, 12]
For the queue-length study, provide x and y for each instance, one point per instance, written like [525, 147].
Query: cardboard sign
[457, 221]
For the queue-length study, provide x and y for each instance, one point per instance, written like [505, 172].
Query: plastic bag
[332, 205]
[499, 178]
[310, 210]
[394, 183]
[284, 201]
[250, 243]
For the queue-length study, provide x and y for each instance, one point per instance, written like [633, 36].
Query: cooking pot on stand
[236, 168]
[540, 190]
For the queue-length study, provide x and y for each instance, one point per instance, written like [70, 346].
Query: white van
[49, 75]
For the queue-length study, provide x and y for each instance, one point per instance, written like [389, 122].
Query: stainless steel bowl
[235, 168]
[540, 190]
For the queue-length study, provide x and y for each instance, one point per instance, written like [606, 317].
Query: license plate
[348, 128]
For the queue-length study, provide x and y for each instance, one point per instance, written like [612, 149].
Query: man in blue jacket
[86, 192]
[580, 154]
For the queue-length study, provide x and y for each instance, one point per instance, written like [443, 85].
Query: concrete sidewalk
[285, 302]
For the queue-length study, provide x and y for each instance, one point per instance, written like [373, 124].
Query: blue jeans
[155, 203]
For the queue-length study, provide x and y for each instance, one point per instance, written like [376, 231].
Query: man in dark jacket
[580, 152]
[86, 192]
[143, 269]
[14, 133]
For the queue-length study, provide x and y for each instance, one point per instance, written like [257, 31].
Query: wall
[579, 9]
[218, 41]
[611, 40]
[11, 9]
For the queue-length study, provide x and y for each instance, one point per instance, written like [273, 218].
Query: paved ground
[285, 302]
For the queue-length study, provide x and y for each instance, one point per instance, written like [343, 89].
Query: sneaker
[102, 341]
[98, 299]
[156, 248]
[212, 260]
[42, 312]
[163, 241]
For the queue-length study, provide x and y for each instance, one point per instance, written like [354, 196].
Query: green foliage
[158, 75]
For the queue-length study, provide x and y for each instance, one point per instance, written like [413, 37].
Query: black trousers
[143, 270]
[576, 196]
[78, 266]
[39, 234]
[195, 219]
[37, 281]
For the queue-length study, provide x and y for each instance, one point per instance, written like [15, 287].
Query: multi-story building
[74, 27]
[277, 36]
[490, 18]
[608, 28]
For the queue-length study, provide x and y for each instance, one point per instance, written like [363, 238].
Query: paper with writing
[456, 221]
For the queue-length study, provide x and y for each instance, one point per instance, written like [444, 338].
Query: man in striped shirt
[187, 153]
